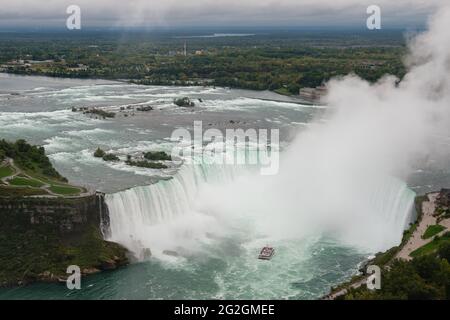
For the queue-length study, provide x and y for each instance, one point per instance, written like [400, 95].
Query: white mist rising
[341, 177]
[337, 177]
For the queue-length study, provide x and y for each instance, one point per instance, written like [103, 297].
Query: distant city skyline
[33, 14]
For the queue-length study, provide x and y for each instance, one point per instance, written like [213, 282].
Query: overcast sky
[223, 13]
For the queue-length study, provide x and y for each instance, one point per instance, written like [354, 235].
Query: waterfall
[395, 202]
[165, 216]
[104, 215]
[142, 217]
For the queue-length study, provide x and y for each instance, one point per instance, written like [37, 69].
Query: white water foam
[164, 216]
[201, 201]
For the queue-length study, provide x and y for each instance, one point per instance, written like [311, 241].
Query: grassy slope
[33, 162]
[432, 231]
[65, 190]
[432, 246]
[6, 171]
[23, 181]
[57, 186]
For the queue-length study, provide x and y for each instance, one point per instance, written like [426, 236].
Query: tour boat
[266, 253]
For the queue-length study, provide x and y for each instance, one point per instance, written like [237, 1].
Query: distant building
[370, 64]
[79, 67]
[40, 62]
[15, 64]
[313, 94]
[20, 63]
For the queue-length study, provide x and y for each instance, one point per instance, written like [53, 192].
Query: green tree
[444, 251]
[99, 153]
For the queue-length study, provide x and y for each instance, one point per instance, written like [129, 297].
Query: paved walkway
[414, 243]
[5, 163]
[45, 186]
[337, 294]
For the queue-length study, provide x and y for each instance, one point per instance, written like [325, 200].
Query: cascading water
[167, 215]
[163, 216]
[395, 201]
[388, 209]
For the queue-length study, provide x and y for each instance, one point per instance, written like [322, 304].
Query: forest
[281, 61]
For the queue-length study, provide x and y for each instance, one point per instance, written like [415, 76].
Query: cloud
[157, 13]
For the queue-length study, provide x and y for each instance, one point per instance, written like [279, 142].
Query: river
[216, 250]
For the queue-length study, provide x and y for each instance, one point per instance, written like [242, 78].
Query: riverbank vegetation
[110, 157]
[281, 61]
[157, 156]
[101, 113]
[99, 153]
[146, 164]
[47, 224]
[433, 246]
[426, 277]
[150, 160]
[39, 245]
[6, 171]
[27, 171]
[30, 158]
[432, 231]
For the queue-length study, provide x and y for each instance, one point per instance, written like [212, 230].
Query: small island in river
[47, 224]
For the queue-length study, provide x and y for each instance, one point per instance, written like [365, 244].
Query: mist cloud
[341, 176]
[153, 13]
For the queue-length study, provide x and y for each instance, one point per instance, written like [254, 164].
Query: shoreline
[412, 240]
[43, 231]
[296, 98]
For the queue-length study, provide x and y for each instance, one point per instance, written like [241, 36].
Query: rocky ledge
[41, 237]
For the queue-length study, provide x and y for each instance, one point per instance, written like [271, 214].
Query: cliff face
[41, 237]
[62, 215]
